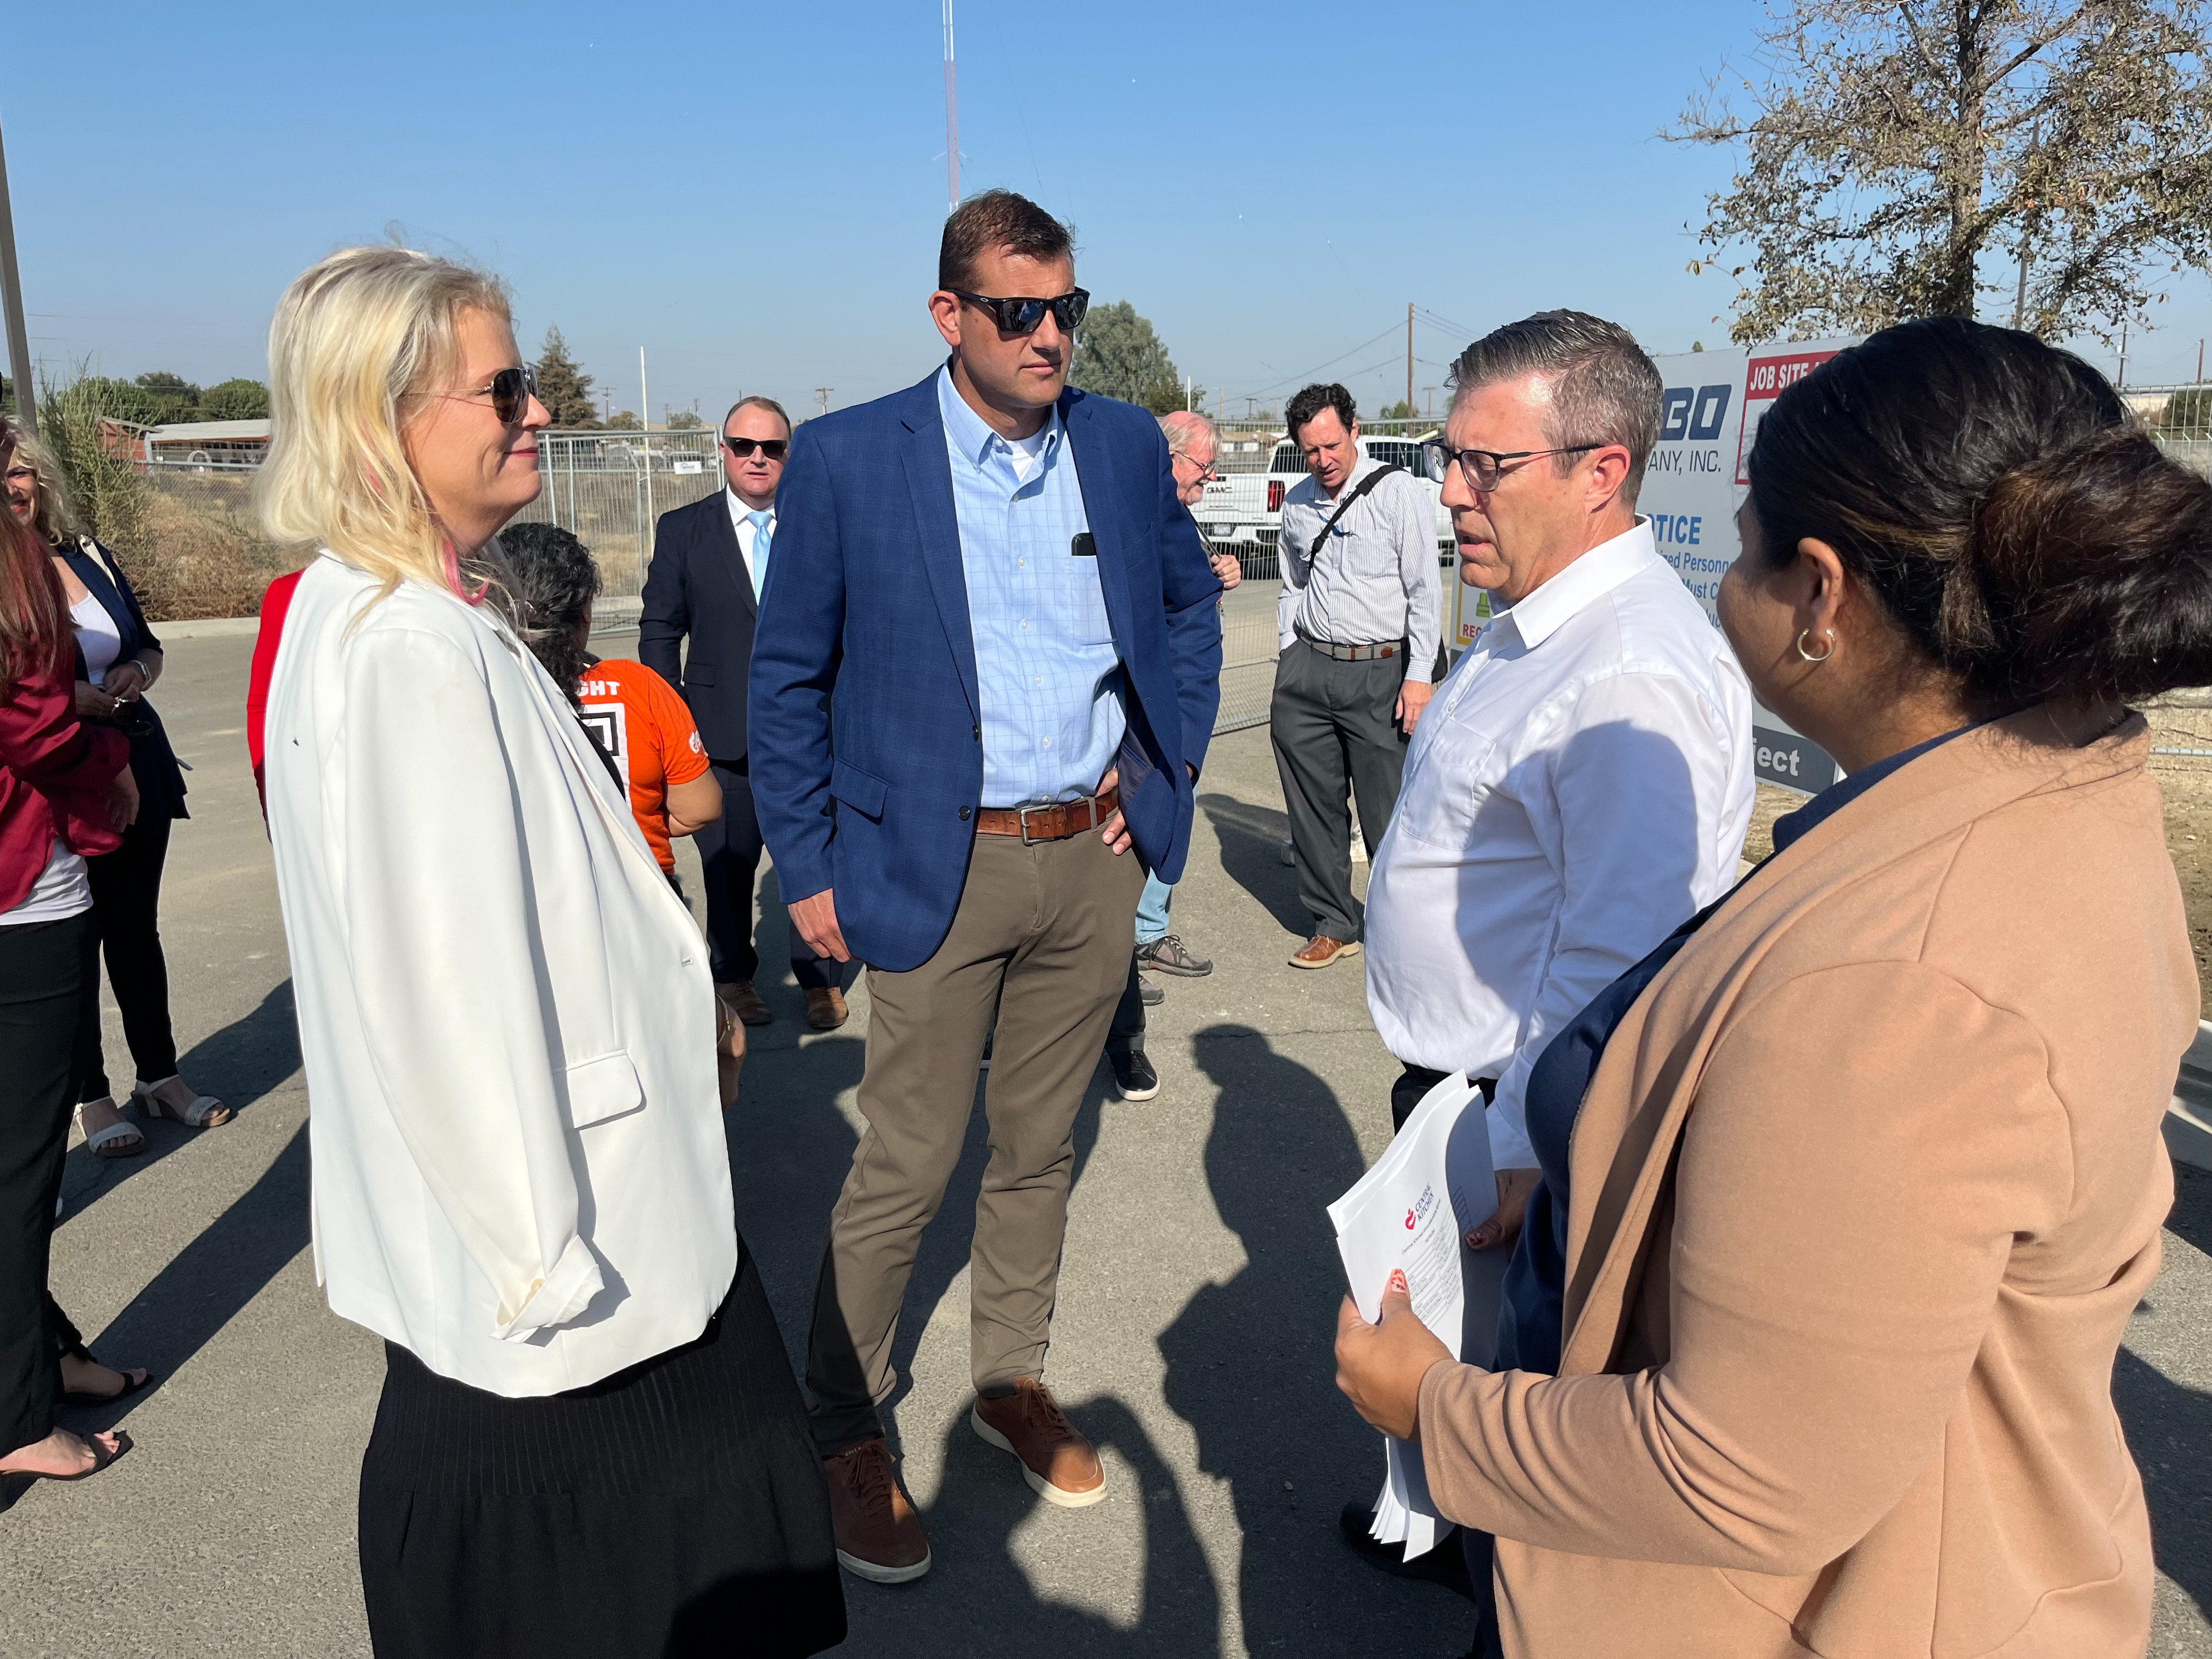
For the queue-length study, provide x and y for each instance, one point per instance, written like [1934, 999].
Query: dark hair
[998, 219]
[555, 580]
[1310, 400]
[1994, 494]
[1605, 390]
[757, 402]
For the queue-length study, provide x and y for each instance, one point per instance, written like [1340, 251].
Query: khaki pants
[1041, 944]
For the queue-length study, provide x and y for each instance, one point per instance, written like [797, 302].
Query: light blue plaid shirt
[1046, 664]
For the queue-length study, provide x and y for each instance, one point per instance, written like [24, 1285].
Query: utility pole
[1249, 403]
[644, 401]
[2121, 383]
[11, 296]
[822, 392]
[1428, 397]
[1409, 360]
[2200, 362]
[952, 123]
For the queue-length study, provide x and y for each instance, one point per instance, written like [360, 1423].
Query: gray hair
[1604, 389]
[1182, 428]
[757, 402]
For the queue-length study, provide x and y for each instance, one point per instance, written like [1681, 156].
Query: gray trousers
[1040, 942]
[1336, 731]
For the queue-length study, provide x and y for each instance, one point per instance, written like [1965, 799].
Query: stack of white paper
[1411, 1213]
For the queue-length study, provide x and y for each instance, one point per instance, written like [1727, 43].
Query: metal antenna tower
[952, 120]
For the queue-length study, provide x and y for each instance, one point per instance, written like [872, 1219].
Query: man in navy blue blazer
[992, 575]
[710, 561]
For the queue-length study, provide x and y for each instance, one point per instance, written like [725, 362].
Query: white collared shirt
[1579, 787]
[741, 521]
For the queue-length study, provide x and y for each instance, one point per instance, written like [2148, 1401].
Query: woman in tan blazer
[1867, 1176]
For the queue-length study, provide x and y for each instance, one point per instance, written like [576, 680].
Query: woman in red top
[66, 790]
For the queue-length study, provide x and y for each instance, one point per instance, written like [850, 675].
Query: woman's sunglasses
[775, 448]
[1026, 316]
[510, 392]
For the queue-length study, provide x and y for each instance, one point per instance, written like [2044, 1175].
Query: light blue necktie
[760, 552]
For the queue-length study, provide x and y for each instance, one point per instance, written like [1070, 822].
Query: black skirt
[675, 1508]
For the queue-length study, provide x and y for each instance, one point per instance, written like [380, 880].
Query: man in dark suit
[993, 577]
[709, 562]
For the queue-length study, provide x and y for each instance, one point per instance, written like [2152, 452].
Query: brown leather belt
[1054, 823]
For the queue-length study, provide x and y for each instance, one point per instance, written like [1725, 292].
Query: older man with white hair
[1191, 449]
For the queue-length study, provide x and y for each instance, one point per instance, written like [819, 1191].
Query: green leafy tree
[1118, 354]
[685, 420]
[175, 398]
[1887, 147]
[2189, 411]
[1401, 410]
[235, 400]
[624, 420]
[562, 385]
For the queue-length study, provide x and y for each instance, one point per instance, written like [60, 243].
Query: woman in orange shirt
[640, 724]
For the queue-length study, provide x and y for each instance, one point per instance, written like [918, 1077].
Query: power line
[1306, 374]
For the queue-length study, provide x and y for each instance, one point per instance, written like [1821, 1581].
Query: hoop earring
[1827, 633]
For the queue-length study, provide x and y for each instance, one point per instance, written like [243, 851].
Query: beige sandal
[118, 1139]
[204, 1111]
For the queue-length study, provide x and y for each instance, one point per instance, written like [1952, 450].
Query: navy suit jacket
[867, 599]
[698, 584]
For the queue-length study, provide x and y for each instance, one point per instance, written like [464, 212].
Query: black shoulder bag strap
[1345, 505]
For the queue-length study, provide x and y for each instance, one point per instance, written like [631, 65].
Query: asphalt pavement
[1192, 1341]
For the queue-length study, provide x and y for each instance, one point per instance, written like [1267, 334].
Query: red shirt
[53, 768]
[276, 600]
[640, 721]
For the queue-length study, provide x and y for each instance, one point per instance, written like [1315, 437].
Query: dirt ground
[2183, 721]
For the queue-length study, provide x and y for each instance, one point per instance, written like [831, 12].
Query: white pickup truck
[1243, 512]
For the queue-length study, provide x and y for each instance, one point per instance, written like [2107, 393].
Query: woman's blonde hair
[55, 521]
[357, 339]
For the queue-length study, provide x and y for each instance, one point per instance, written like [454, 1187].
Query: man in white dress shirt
[1581, 783]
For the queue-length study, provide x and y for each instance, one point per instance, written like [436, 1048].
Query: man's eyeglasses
[1484, 469]
[775, 448]
[1026, 316]
[510, 392]
[1205, 471]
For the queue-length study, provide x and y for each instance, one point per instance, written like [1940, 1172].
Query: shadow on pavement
[2169, 1428]
[1251, 839]
[977, 1599]
[202, 1289]
[1249, 1361]
[241, 1062]
[2192, 1216]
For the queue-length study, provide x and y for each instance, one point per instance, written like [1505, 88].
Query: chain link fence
[607, 489]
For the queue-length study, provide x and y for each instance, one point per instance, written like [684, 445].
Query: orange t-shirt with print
[640, 721]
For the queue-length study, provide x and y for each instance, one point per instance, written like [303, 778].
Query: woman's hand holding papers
[1380, 1366]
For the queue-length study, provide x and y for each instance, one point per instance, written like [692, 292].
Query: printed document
[1411, 1213]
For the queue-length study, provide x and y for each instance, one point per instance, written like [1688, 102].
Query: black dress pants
[48, 970]
[730, 855]
[127, 897]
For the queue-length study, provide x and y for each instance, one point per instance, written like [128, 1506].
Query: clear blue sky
[754, 194]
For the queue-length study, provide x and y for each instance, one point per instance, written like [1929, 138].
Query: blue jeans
[1152, 910]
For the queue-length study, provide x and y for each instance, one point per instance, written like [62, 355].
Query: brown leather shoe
[744, 1002]
[1057, 1462]
[880, 1536]
[1320, 949]
[825, 1008]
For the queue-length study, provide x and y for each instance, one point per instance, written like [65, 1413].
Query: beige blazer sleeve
[1839, 1243]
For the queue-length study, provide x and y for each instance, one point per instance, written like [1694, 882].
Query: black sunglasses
[1484, 469]
[510, 390]
[775, 448]
[1026, 316]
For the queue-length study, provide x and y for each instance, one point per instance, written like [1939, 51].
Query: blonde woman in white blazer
[589, 1441]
